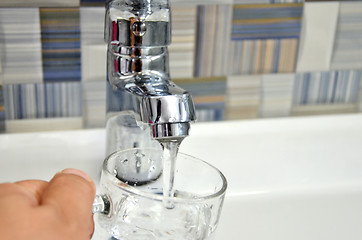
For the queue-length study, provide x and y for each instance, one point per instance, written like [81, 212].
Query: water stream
[170, 150]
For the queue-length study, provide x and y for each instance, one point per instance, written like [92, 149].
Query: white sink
[289, 178]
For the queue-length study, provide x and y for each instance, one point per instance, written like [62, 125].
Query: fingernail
[78, 173]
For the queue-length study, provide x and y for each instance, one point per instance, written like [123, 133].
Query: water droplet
[115, 172]
[124, 160]
[152, 168]
[146, 215]
[139, 29]
[139, 154]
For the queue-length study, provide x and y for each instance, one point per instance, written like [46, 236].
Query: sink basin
[289, 178]
[302, 214]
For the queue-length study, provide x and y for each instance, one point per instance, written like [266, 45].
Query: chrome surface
[138, 33]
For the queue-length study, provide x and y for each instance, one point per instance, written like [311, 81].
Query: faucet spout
[165, 107]
[169, 115]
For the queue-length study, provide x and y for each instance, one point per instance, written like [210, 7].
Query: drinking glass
[135, 210]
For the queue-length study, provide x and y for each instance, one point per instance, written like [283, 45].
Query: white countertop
[257, 156]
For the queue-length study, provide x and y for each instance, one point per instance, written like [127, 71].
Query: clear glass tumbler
[135, 211]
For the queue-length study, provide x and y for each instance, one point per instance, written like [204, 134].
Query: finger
[71, 193]
[33, 188]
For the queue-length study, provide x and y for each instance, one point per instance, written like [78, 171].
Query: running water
[170, 150]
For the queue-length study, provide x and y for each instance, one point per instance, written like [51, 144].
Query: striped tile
[94, 104]
[359, 104]
[60, 36]
[333, 0]
[1, 75]
[94, 49]
[199, 2]
[209, 96]
[39, 3]
[286, 1]
[92, 25]
[276, 95]
[92, 2]
[265, 38]
[181, 2]
[213, 38]
[243, 97]
[21, 54]
[214, 2]
[2, 110]
[183, 41]
[263, 56]
[347, 53]
[251, 1]
[49, 100]
[266, 1]
[266, 21]
[94, 63]
[335, 87]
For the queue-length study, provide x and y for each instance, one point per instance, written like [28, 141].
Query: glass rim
[159, 197]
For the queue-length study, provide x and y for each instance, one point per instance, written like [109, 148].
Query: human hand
[57, 210]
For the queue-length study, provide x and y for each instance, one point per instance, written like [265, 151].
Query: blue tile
[209, 96]
[266, 21]
[60, 36]
[29, 101]
[2, 111]
[334, 87]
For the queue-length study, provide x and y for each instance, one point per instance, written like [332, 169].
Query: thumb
[71, 193]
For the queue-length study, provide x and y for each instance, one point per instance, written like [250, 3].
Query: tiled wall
[240, 59]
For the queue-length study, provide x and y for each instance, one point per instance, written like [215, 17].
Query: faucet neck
[138, 33]
[141, 65]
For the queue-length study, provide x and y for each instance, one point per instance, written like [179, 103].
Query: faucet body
[143, 104]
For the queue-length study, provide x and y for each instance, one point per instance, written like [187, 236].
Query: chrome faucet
[143, 104]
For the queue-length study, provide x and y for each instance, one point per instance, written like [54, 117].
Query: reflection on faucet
[141, 98]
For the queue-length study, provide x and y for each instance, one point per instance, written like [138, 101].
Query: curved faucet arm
[166, 107]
